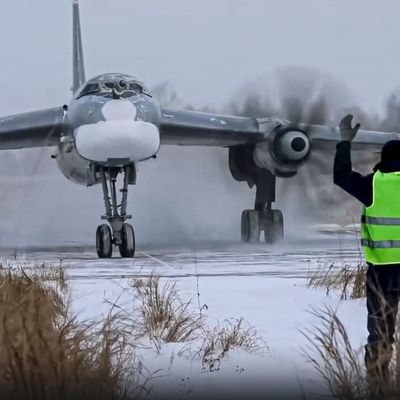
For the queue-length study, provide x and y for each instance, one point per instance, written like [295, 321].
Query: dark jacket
[359, 186]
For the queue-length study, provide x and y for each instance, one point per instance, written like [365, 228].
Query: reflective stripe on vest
[380, 223]
[381, 244]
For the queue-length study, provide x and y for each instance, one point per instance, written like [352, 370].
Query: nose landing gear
[120, 234]
[263, 218]
[104, 241]
[127, 246]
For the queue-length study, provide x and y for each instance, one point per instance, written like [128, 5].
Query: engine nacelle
[284, 152]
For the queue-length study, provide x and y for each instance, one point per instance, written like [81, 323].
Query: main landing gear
[120, 234]
[263, 218]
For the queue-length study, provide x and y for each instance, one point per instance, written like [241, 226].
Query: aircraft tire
[104, 241]
[274, 230]
[127, 248]
[250, 226]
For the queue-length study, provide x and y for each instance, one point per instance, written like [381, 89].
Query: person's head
[390, 154]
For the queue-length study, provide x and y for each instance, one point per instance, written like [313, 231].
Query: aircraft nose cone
[119, 137]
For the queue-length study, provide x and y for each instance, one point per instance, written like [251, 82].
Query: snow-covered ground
[264, 285]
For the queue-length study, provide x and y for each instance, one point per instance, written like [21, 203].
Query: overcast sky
[206, 49]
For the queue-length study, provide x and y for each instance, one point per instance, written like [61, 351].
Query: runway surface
[294, 258]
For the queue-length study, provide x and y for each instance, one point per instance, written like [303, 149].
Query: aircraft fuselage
[112, 121]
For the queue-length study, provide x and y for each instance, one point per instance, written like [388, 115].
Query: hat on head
[390, 154]
[391, 151]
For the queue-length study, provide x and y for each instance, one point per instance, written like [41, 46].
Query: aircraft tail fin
[78, 58]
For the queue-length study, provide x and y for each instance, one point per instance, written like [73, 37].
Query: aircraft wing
[192, 128]
[33, 129]
[323, 136]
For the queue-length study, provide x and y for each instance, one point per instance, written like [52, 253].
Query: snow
[265, 286]
[279, 308]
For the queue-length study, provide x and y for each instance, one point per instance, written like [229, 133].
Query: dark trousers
[383, 294]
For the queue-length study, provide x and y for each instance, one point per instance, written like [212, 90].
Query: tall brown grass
[342, 367]
[349, 280]
[47, 354]
[339, 365]
[162, 314]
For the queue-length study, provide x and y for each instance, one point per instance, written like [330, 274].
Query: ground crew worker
[380, 234]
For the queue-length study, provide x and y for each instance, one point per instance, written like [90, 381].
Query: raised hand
[347, 132]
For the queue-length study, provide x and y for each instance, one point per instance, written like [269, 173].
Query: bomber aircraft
[112, 123]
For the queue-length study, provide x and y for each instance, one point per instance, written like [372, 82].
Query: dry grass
[46, 354]
[40, 273]
[349, 280]
[162, 314]
[339, 365]
[233, 334]
[342, 367]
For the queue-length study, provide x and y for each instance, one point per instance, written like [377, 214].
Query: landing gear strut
[263, 218]
[120, 234]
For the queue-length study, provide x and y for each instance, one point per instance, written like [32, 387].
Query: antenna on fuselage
[78, 59]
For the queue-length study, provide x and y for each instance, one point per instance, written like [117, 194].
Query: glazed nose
[119, 136]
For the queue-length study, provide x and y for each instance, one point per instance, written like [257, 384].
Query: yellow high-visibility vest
[380, 223]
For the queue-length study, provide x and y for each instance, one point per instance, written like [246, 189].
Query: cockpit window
[105, 89]
[90, 88]
[109, 85]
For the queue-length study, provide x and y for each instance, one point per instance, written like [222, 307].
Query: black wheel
[127, 248]
[274, 230]
[250, 226]
[104, 241]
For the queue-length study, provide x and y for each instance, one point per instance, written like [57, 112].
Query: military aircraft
[112, 123]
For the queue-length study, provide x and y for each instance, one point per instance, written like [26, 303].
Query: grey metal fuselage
[86, 108]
